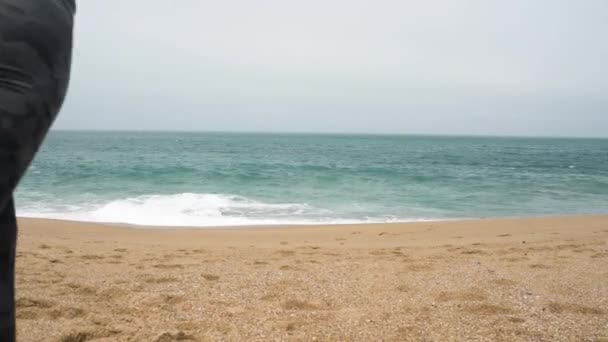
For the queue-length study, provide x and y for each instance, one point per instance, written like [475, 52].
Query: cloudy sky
[377, 66]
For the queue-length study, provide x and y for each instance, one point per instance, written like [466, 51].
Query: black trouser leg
[8, 240]
[35, 60]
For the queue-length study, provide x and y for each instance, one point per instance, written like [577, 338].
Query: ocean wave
[193, 210]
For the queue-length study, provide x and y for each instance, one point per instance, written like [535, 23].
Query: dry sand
[512, 280]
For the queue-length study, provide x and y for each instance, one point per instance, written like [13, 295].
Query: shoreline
[27, 219]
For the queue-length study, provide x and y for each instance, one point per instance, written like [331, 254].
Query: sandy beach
[542, 279]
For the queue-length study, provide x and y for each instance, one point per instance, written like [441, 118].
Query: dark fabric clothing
[35, 58]
[35, 54]
[8, 229]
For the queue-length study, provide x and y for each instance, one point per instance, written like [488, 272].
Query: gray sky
[378, 66]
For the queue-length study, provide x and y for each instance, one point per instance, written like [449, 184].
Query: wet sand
[493, 280]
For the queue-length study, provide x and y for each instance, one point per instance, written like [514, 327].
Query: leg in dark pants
[8, 227]
[35, 58]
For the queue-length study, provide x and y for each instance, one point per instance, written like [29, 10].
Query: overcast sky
[377, 66]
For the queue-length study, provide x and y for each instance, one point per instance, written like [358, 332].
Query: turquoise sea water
[216, 179]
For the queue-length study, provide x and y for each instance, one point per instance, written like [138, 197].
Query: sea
[246, 179]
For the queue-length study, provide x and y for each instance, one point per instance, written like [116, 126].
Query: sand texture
[540, 279]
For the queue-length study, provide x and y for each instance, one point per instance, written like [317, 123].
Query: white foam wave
[194, 210]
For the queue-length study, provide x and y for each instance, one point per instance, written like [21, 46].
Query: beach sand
[494, 280]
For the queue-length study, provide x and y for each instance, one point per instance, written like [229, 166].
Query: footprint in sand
[25, 302]
[515, 259]
[83, 290]
[211, 277]
[285, 253]
[91, 257]
[161, 280]
[474, 252]
[294, 304]
[174, 336]
[419, 267]
[571, 308]
[28, 308]
[488, 309]
[67, 312]
[504, 282]
[404, 288]
[168, 266]
[516, 320]
[599, 255]
[471, 295]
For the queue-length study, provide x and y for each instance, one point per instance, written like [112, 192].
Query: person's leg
[35, 58]
[8, 227]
